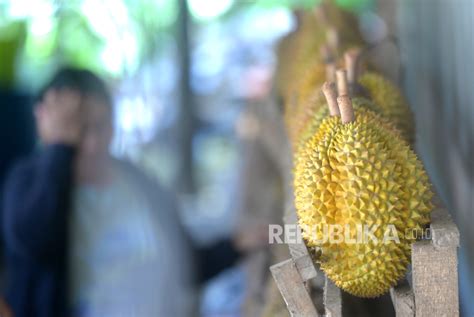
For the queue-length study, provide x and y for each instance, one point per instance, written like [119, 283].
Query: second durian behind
[391, 102]
[357, 172]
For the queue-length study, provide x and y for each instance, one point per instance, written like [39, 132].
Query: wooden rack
[432, 289]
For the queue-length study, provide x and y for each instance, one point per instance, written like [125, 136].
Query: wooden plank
[306, 268]
[293, 290]
[434, 266]
[444, 233]
[299, 252]
[403, 299]
[435, 280]
[332, 299]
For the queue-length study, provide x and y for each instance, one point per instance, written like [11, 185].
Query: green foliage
[356, 5]
[294, 4]
[68, 34]
[151, 26]
[353, 5]
[12, 37]
[77, 43]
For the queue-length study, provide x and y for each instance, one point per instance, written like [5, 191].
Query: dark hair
[80, 80]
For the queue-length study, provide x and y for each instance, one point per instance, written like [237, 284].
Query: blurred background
[181, 73]
[185, 72]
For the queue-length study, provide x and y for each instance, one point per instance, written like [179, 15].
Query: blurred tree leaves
[353, 5]
[153, 18]
[72, 38]
[304, 4]
[12, 37]
[76, 42]
[356, 5]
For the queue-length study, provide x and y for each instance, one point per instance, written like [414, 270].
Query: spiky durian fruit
[355, 172]
[305, 94]
[299, 53]
[391, 101]
[385, 94]
[311, 126]
[308, 101]
[299, 122]
[341, 20]
[361, 106]
[296, 50]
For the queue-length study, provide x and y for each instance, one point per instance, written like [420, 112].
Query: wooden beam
[403, 299]
[444, 233]
[332, 299]
[293, 289]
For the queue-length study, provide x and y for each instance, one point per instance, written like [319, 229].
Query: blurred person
[5, 310]
[89, 235]
[15, 120]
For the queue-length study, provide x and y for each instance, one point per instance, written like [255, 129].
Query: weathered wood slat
[435, 274]
[293, 289]
[305, 267]
[403, 299]
[299, 252]
[435, 280]
[332, 299]
[445, 233]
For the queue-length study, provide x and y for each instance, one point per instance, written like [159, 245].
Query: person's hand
[251, 238]
[5, 310]
[58, 117]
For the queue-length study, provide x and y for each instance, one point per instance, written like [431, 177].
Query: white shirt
[123, 261]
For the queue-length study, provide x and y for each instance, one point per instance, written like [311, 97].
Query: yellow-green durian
[391, 101]
[355, 174]
[300, 68]
[296, 51]
[360, 104]
[304, 99]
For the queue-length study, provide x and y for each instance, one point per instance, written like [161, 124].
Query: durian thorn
[345, 108]
[331, 72]
[351, 60]
[341, 80]
[329, 91]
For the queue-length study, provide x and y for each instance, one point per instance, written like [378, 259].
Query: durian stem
[332, 37]
[341, 80]
[298, 15]
[351, 59]
[321, 14]
[328, 59]
[345, 107]
[326, 54]
[329, 91]
[331, 72]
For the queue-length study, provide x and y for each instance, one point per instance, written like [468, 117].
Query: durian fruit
[314, 75]
[356, 172]
[308, 99]
[308, 66]
[295, 51]
[307, 75]
[341, 20]
[382, 92]
[299, 56]
[326, 24]
[359, 104]
[392, 102]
